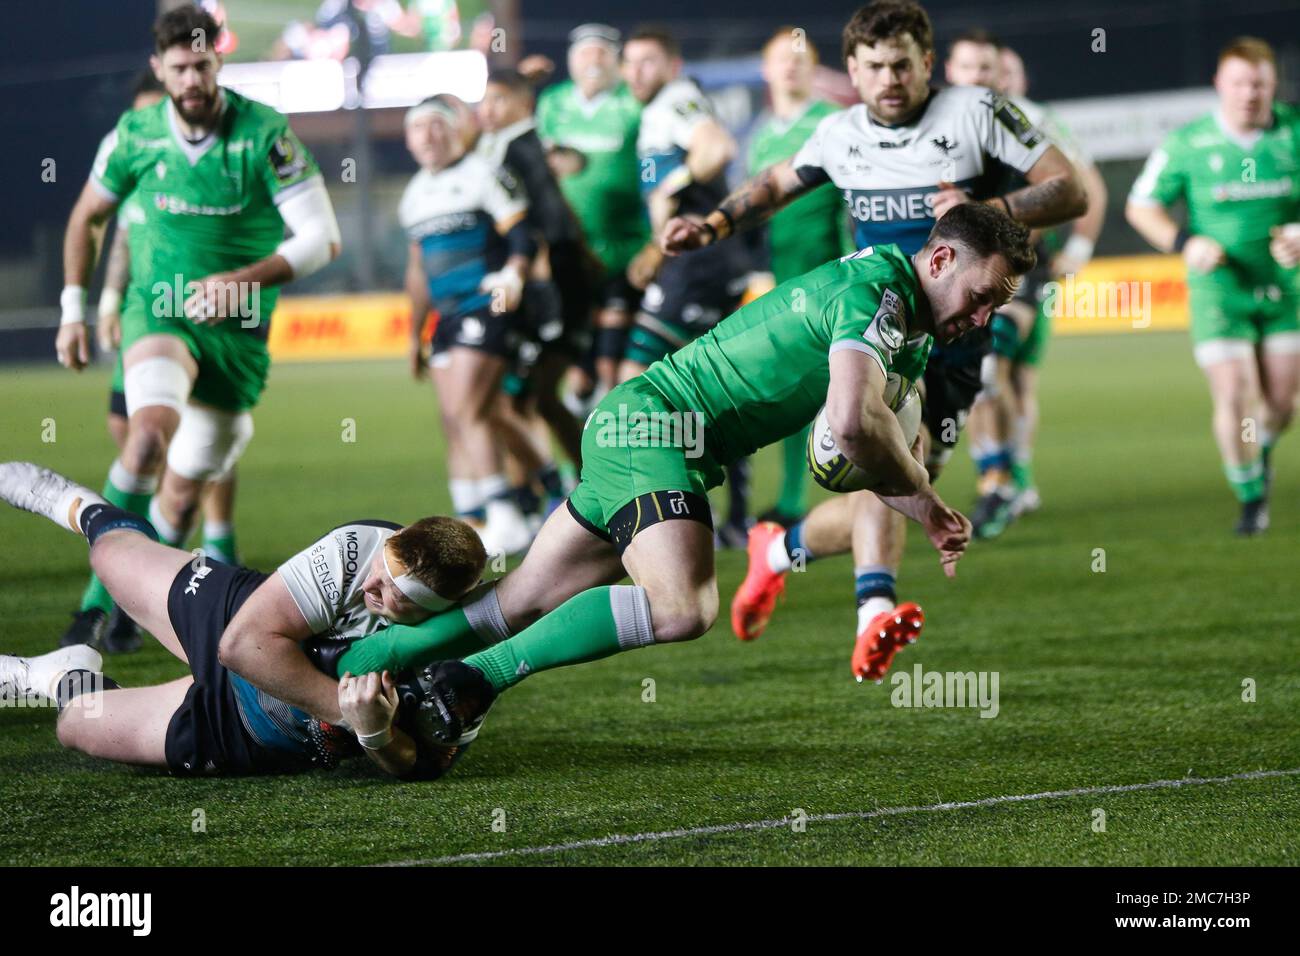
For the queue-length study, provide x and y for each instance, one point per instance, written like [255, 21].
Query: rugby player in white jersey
[255, 702]
[469, 255]
[903, 157]
[1004, 419]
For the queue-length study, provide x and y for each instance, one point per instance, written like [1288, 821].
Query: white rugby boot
[43, 492]
[39, 676]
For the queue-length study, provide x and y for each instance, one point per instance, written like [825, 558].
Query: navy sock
[874, 583]
[794, 543]
[99, 519]
[552, 481]
[75, 683]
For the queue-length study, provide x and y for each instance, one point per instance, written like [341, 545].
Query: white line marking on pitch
[624, 838]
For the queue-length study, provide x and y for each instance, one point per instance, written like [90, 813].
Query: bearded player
[218, 177]
[233, 625]
[902, 157]
[1241, 246]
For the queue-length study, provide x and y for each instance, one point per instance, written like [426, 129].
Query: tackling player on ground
[1236, 170]
[255, 703]
[903, 157]
[218, 177]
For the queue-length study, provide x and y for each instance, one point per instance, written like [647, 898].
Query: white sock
[217, 529]
[132, 484]
[778, 559]
[87, 497]
[493, 486]
[168, 533]
[870, 608]
[464, 495]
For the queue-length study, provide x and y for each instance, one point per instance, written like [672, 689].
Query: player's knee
[683, 620]
[146, 445]
[69, 726]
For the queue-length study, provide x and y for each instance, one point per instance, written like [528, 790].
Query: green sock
[137, 502]
[594, 624]
[793, 498]
[1022, 473]
[219, 542]
[401, 647]
[1247, 480]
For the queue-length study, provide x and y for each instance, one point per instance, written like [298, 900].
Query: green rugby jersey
[762, 373]
[813, 229]
[605, 195]
[1235, 192]
[208, 207]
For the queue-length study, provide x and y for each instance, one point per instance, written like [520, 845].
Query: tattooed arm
[752, 204]
[1055, 193]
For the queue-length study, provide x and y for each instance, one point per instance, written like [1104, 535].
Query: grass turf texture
[1121, 677]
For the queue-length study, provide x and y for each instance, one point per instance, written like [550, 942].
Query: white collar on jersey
[589, 106]
[194, 150]
[1244, 140]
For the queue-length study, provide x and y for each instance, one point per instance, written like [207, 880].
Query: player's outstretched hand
[72, 346]
[684, 233]
[369, 702]
[947, 197]
[949, 531]
[1285, 245]
[1203, 254]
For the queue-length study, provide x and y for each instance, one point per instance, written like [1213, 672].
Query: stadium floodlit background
[1110, 680]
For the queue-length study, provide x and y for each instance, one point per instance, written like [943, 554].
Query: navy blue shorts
[206, 734]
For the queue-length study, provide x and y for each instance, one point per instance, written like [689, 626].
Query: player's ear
[155, 64]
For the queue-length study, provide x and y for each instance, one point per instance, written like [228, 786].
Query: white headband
[436, 108]
[415, 589]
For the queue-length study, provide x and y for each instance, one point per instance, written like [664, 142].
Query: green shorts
[1029, 350]
[1227, 311]
[233, 361]
[635, 443]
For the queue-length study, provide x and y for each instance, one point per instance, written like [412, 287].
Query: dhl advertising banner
[1121, 294]
[317, 328]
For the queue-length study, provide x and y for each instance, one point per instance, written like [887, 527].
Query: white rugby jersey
[452, 214]
[325, 579]
[664, 138]
[888, 174]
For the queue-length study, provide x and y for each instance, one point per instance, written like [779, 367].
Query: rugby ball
[831, 469]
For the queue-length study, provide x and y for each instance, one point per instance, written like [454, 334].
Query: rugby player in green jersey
[99, 621]
[1238, 172]
[811, 230]
[656, 444]
[218, 177]
[589, 123]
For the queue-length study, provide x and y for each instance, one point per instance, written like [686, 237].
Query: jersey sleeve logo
[288, 159]
[509, 183]
[1016, 122]
[888, 321]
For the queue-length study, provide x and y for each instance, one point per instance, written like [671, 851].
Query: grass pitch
[1106, 679]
